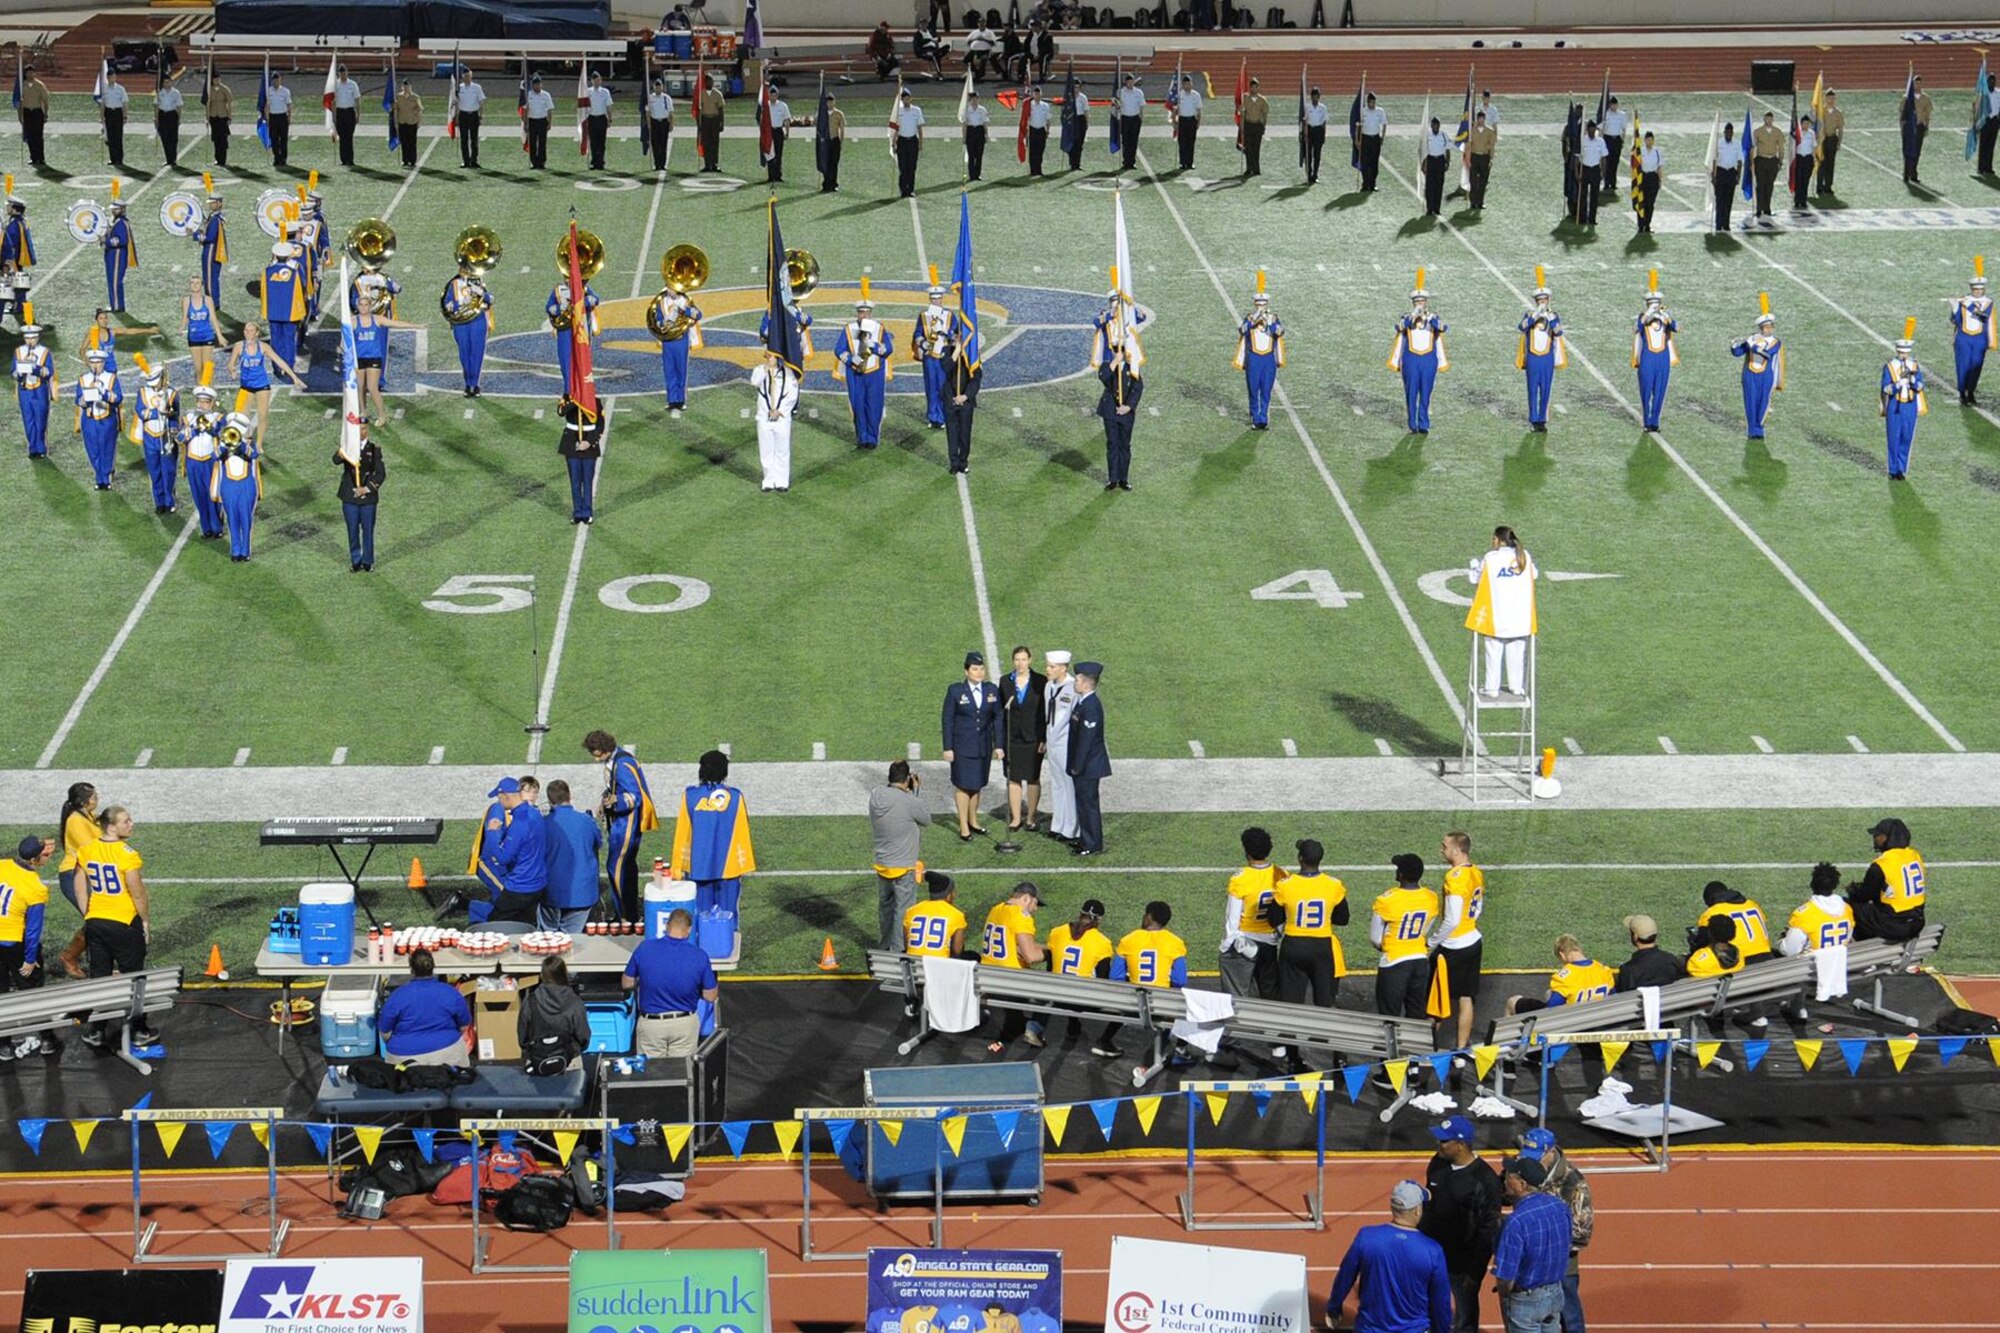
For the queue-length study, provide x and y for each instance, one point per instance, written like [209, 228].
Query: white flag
[965, 96]
[1708, 165]
[326, 98]
[582, 100]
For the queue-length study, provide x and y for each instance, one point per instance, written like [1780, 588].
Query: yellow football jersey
[1003, 924]
[20, 889]
[928, 928]
[1309, 902]
[1078, 955]
[1150, 956]
[104, 868]
[1468, 884]
[1753, 936]
[1582, 980]
[1256, 888]
[1704, 963]
[1822, 929]
[1406, 916]
[1903, 877]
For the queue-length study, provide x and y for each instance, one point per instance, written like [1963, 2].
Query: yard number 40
[488, 594]
[1306, 585]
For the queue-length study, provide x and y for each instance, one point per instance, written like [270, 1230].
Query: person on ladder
[1503, 611]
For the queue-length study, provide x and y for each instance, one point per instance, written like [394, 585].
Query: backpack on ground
[536, 1203]
[1967, 1023]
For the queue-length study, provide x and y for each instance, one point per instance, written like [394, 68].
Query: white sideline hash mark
[242, 758]
[1668, 745]
[1194, 748]
[1763, 745]
[1569, 743]
[915, 752]
[437, 754]
[339, 755]
[145, 758]
[1291, 747]
[724, 747]
[1859, 748]
[1382, 747]
[819, 749]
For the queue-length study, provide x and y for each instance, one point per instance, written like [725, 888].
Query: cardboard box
[496, 1017]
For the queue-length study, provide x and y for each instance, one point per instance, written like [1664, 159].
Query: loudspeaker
[1772, 76]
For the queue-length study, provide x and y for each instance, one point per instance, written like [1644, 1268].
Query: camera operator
[897, 818]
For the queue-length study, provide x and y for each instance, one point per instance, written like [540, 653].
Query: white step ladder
[1499, 755]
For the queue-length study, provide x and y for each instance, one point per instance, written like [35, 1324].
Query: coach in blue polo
[425, 1021]
[575, 846]
[672, 975]
[522, 859]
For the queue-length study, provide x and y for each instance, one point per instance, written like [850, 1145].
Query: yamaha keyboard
[349, 832]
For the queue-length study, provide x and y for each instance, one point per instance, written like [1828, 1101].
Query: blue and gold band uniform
[1418, 355]
[99, 409]
[484, 866]
[214, 244]
[628, 815]
[861, 360]
[17, 242]
[1654, 356]
[712, 844]
[1541, 353]
[670, 308]
[930, 927]
[558, 313]
[1151, 958]
[236, 485]
[1763, 356]
[1260, 354]
[121, 254]
[464, 295]
[199, 449]
[156, 422]
[1903, 401]
[930, 345]
[1973, 336]
[284, 302]
[35, 386]
[805, 323]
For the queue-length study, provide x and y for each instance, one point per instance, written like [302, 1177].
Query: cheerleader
[198, 324]
[252, 361]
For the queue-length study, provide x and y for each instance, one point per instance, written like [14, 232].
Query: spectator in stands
[979, 47]
[1578, 979]
[1041, 49]
[1533, 1250]
[425, 1021]
[882, 50]
[897, 820]
[1013, 54]
[575, 844]
[1649, 965]
[1404, 1284]
[1463, 1216]
[1566, 1183]
[676, 20]
[672, 975]
[927, 45]
[554, 1027]
[1889, 902]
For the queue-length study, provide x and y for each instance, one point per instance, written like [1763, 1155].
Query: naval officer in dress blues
[1260, 351]
[971, 741]
[1654, 355]
[1902, 403]
[1972, 334]
[1089, 760]
[1763, 356]
[1418, 355]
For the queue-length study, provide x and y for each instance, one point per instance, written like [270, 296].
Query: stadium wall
[1485, 14]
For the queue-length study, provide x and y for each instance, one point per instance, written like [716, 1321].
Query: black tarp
[297, 18]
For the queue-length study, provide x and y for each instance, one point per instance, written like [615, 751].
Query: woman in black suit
[972, 738]
[361, 480]
[1024, 701]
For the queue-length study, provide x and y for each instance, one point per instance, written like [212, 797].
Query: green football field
[1776, 596]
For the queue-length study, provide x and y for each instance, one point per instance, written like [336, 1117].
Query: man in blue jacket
[1089, 760]
[575, 845]
[1404, 1288]
[522, 859]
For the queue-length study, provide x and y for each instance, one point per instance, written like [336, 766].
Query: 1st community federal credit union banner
[964, 1291]
[682, 1291]
[1163, 1286]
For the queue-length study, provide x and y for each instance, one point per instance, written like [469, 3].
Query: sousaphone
[683, 269]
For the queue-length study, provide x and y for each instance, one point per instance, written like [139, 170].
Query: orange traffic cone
[216, 970]
[827, 962]
[417, 880]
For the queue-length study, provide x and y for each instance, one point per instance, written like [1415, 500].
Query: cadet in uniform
[1725, 175]
[1118, 407]
[708, 126]
[1437, 156]
[597, 119]
[1763, 370]
[581, 447]
[1039, 111]
[1076, 127]
[1186, 112]
[157, 422]
[111, 109]
[469, 98]
[971, 729]
[670, 309]
[35, 118]
[408, 112]
[98, 400]
[1972, 333]
[360, 490]
[930, 342]
[780, 112]
[712, 838]
[1374, 125]
[277, 120]
[1591, 155]
[346, 113]
[1418, 355]
[1256, 119]
[659, 122]
[167, 103]
[1541, 353]
[34, 385]
[214, 246]
[831, 146]
[1802, 164]
[861, 361]
[1832, 128]
[17, 254]
[1918, 117]
[1654, 353]
[463, 294]
[221, 102]
[909, 130]
[284, 300]
[961, 400]
[1989, 132]
[1479, 144]
[977, 127]
[236, 484]
[1902, 402]
[1059, 701]
[1646, 198]
[1260, 353]
[541, 105]
[1089, 761]
[199, 447]
[777, 386]
[120, 254]
[1616, 121]
[1131, 109]
[1767, 154]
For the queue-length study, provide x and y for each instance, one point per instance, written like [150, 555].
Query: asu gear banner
[964, 1291]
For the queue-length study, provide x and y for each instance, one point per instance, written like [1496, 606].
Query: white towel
[1208, 1014]
[1830, 971]
[1649, 1008]
[950, 1001]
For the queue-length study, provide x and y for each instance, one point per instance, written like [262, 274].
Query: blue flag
[1069, 108]
[822, 127]
[389, 106]
[1979, 114]
[779, 311]
[753, 26]
[962, 283]
[18, 63]
[1117, 86]
[263, 97]
[1749, 185]
[1913, 139]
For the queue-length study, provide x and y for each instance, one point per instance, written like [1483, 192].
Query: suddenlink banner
[1160, 1286]
[683, 1291]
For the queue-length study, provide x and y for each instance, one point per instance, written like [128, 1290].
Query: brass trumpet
[371, 243]
[801, 272]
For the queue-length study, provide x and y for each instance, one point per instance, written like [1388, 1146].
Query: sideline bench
[124, 999]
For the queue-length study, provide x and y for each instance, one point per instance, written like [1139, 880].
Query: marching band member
[1654, 354]
[1763, 368]
[462, 294]
[156, 425]
[371, 354]
[379, 288]
[1418, 355]
[120, 254]
[1260, 352]
[35, 385]
[669, 308]
[252, 360]
[198, 324]
[284, 300]
[1117, 325]
[1972, 333]
[237, 483]
[214, 248]
[861, 361]
[712, 837]
[928, 344]
[559, 314]
[777, 387]
[1541, 353]
[582, 445]
[1903, 401]
[628, 812]
[961, 400]
[98, 411]
[199, 447]
[17, 250]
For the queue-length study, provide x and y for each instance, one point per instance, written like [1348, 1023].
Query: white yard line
[1750, 534]
[1284, 401]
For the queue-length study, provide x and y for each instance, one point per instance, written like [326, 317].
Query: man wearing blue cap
[1401, 1271]
[1568, 1184]
[522, 859]
[1533, 1250]
[1089, 760]
[1463, 1216]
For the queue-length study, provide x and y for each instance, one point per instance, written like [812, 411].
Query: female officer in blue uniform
[98, 411]
[237, 484]
[252, 362]
[972, 740]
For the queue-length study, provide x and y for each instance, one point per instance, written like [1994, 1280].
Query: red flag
[582, 386]
[764, 137]
[700, 87]
[1021, 137]
[1242, 91]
